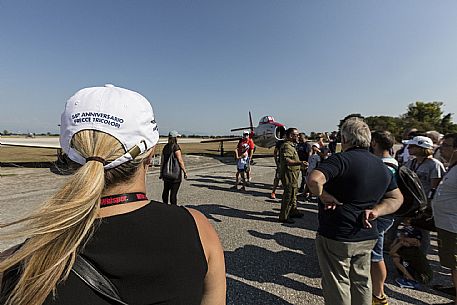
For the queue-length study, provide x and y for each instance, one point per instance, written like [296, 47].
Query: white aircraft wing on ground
[227, 139]
[53, 142]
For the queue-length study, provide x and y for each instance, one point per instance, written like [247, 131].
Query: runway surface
[266, 262]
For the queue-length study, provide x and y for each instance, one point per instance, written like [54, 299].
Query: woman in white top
[429, 170]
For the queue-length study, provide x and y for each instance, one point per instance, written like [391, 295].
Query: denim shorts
[383, 224]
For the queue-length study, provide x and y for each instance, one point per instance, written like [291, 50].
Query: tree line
[424, 116]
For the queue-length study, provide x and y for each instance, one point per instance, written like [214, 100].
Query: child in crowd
[314, 160]
[242, 165]
[317, 156]
[410, 261]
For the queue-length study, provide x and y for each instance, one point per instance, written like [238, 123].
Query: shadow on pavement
[405, 298]
[261, 265]
[211, 210]
[308, 221]
[228, 182]
[229, 188]
[241, 293]
[290, 241]
[212, 179]
[308, 205]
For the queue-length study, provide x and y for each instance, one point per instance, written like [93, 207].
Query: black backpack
[414, 197]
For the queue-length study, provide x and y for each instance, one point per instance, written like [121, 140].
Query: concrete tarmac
[266, 262]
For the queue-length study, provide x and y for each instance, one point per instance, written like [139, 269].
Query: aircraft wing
[53, 142]
[221, 140]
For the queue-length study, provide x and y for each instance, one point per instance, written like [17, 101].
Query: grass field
[25, 154]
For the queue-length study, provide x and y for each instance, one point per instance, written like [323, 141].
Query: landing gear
[221, 148]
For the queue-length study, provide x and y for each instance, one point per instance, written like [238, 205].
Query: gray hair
[434, 135]
[356, 132]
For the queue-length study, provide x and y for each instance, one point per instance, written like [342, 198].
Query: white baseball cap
[421, 141]
[122, 113]
[245, 132]
[174, 134]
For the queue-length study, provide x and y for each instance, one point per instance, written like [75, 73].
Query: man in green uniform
[290, 165]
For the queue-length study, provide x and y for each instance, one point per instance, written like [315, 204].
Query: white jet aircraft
[266, 134]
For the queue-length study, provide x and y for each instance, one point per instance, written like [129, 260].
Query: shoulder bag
[81, 268]
[96, 280]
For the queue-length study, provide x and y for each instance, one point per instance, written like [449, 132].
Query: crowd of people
[357, 197]
[356, 192]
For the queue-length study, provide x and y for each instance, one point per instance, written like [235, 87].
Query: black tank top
[152, 255]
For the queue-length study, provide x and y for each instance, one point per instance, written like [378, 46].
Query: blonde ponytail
[57, 231]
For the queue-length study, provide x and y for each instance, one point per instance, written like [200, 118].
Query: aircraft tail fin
[251, 126]
[250, 122]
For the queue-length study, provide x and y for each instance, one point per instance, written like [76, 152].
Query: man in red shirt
[248, 140]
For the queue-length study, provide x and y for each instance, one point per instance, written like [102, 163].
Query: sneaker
[405, 283]
[273, 196]
[235, 187]
[380, 301]
[416, 284]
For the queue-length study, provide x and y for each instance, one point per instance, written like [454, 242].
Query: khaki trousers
[345, 268]
[289, 199]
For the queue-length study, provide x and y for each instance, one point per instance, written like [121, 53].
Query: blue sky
[203, 64]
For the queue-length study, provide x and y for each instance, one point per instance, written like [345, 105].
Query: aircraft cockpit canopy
[267, 119]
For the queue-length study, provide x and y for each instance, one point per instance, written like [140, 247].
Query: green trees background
[424, 116]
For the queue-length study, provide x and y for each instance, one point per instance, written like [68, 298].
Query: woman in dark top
[153, 253]
[171, 186]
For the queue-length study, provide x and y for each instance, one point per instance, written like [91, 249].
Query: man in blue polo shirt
[354, 188]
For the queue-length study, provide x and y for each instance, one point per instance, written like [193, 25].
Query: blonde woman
[152, 252]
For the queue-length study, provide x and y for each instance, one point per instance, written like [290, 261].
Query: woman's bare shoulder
[200, 219]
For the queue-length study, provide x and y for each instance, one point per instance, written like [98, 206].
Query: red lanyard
[122, 198]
